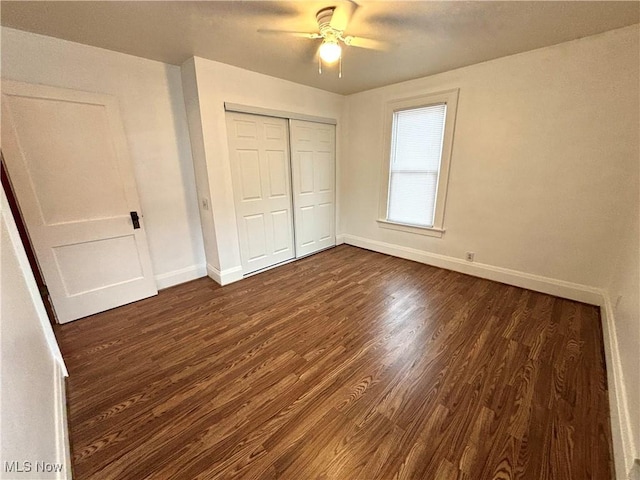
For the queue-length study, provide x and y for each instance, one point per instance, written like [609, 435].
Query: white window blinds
[416, 152]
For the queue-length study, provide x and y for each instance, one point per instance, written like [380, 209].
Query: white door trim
[269, 112]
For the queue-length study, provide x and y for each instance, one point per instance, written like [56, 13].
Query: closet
[283, 173]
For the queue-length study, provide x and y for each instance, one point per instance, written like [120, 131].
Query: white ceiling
[426, 37]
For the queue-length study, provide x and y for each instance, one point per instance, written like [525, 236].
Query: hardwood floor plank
[344, 365]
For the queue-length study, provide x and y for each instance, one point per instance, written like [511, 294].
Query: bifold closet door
[259, 153]
[313, 147]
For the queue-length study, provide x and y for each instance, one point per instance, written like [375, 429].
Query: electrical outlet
[205, 204]
[470, 256]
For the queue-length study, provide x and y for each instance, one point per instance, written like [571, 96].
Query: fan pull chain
[340, 71]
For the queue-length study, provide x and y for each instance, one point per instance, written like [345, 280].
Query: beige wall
[213, 84]
[151, 102]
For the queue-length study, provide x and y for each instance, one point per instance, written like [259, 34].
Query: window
[419, 137]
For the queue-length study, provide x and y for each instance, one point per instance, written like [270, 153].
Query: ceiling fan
[332, 23]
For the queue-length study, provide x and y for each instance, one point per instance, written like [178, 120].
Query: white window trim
[404, 227]
[450, 98]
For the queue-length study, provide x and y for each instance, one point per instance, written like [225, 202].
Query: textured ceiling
[425, 37]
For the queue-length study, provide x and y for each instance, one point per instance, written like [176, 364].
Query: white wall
[543, 187]
[624, 309]
[544, 143]
[194, 118]
[153, 112]
[32, 420]
[213, 84]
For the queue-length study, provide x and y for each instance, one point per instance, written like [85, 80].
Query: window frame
[450, 99]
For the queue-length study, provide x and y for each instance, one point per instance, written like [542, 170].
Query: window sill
[428, 231]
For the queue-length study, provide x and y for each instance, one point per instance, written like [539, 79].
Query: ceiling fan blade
[291, 33]
[342, 15]
[369, 43]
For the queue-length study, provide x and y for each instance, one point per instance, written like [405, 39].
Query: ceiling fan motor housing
[329, 33]
[324, 17]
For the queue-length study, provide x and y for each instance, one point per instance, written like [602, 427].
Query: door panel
[256, 236]
[281, 230]
[259, 153]
[305, 160]
[306, 228]
[313, 172]
[278, 174]
[326, 180]
[324, 220]
[78, 264]
[67, 157]
[249, 165]
[65, 170]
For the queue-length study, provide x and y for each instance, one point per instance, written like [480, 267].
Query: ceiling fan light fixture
[330, 51]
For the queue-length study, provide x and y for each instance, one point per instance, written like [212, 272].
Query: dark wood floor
[345, 365]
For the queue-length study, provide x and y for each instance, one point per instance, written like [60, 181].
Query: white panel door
[313, 148]
[259, 153]
[67, 157]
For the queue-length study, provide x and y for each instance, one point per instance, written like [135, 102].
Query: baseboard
[339, 239]
[560, 288]
[224, 277]
[63, 447]
[623, 448]
[214, 273]
[176, 277]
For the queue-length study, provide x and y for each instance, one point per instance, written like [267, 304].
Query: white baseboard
[551, 286]
[339, 239]
[176, 277]
[224, 277]
[623, 447]
[63, 447]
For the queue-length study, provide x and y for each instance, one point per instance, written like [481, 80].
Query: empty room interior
[336, 240]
